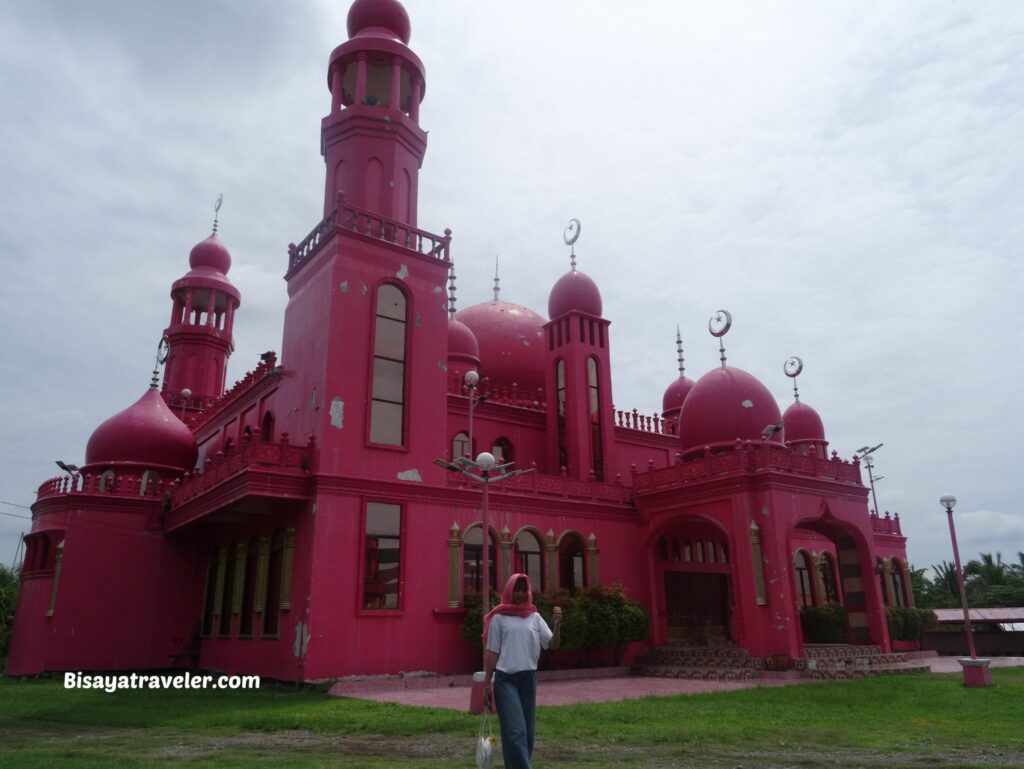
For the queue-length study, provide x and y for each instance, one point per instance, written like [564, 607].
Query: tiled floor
[612, 689]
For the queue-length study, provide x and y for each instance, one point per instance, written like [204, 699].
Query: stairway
[838, 661]
[708, 663]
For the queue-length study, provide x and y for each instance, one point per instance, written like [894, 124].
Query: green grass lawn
[912, 721]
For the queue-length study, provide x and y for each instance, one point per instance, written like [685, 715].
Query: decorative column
[336, 91]
[396, 83]
[218, 596]
[593, 574]
[286, 567]
[758, 563]
[505, 553]
[454, 547]
[262, 568]
[890, 594]
[236, 597]
[415, 94]
[551, 578]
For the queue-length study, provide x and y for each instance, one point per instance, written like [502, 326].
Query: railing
[634, 420]
[747, 457]
[890, 524]
[263, 370]
[510, 396]
[372, 225]
[554, 485]
[251, 453]
[123, 485]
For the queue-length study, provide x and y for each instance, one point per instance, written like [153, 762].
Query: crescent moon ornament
[217, 205]
[720, 323]
[161, 351]
[793, 367]
[572, 232]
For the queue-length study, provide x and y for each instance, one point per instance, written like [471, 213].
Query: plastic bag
[486, 742]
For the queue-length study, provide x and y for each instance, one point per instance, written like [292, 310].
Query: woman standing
[514, 633]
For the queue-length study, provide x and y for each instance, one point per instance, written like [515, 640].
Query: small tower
[578, 375]
[371, 141]
[199, 335]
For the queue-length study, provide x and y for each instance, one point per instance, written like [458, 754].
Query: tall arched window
[249, 588]
[563, 454]
[594, 409]
[472, 562]
[387, 402]
[272, 603]
[898, 594]
[227, 595]
[461, 447]
[267, 427]
[528, 558]
[571, 564]
[805, 591]
[828, 578]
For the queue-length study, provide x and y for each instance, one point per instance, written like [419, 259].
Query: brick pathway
[620, 688]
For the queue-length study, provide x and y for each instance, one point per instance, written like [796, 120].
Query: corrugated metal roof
[981, 615]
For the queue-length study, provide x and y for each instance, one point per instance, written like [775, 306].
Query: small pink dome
[212, 254]
[511, 340]
[462, 343]
[146, 433]
[379, 16]
[725, 404]
[574, 291]
[802, 423]
[675, 395]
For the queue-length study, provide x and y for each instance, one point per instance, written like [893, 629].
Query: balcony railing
[634, 420]
[510, 396]
[555, 486]
[123, 485]
[263, 370]
[890, 524]
[346, 217]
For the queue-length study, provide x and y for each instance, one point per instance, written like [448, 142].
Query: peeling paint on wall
[437, 289]
[410, 475]
[442, 365]
[747, 404]
[312, 400]
[337, 413]
[766, 510]
[301, 645]
[403, 272]
[344, 287]
[419, 320]
[362, 288]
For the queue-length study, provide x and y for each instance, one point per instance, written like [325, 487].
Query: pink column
[210, 307]
[414, 100]
[188, 307]
[336, 92]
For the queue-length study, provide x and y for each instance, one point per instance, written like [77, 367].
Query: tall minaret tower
[199, 335]
[371, 141]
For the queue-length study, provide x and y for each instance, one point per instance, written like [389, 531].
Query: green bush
[8, 602]
[824, 624]
[906, 623]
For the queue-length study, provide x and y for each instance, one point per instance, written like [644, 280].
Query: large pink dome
[574, 291]
[511, 340]
[727, 404]
[377, 17]
[802, 423]
[145, 434]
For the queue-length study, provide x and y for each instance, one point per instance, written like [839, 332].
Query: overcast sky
[845, 178]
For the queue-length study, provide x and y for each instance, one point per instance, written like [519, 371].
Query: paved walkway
[623, 688]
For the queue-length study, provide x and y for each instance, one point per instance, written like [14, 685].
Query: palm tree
[988, 572]
[945, 579]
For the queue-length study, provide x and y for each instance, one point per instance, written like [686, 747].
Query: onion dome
[145, 434]
[574, 291]
[380, 18]
[675, 395]
[511, 343]
[802, 424]
[210, 261]
[463, 347]
[724, 405]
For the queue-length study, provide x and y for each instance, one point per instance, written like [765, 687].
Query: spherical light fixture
[485, 461]
[948, 501]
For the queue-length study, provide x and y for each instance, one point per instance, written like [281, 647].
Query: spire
[719, 326]
[216, 211]
[161, 358]
[570, 236]
[451, 292]
[497, 280]
[792, 369]
[679, 352]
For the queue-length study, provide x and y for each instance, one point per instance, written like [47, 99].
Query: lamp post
[976, 671]
[865, 454]
[185, 395]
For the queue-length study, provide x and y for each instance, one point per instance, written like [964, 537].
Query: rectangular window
[381, 557]
[387, 407]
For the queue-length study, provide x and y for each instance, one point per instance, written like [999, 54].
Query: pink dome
[511, 340]
[377, 17]
[727, 403]
[574, 291]
[462, 343]
[802, 423]
[211, 254]
[146, 433]
[675, 394]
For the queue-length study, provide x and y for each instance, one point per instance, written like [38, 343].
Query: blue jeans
[515, 695]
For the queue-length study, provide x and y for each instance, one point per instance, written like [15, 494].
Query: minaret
[371, 141]
[199, 335]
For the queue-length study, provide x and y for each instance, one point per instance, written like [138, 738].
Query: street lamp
[865, 454]
[185, 395]
[976, 672]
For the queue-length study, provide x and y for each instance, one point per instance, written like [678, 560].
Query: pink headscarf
[507, 606]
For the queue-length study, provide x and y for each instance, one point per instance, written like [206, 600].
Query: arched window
[387, 403]
[723, 553]
[267, 427]
[228, 593]
[502, 450]
[461, 447]
[229, 444]
[43, 552]
[272, 604]
[805, 592]
[249, 588]
[898, 594]
[150, 480]
[688, 551]
[528, 559]
[594, 410]
[106, 481]
[828, 578]
[472, 562]
[571, 564]
[711, 551]
[676, 554]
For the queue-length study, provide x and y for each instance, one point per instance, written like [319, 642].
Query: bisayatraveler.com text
[111, 683]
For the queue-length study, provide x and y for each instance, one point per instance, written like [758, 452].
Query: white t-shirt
[518, 641]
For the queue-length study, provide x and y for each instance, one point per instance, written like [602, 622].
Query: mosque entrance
[697, 608]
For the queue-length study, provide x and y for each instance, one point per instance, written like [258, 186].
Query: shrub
[824, 624]
[8, 602]
[906, 623]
